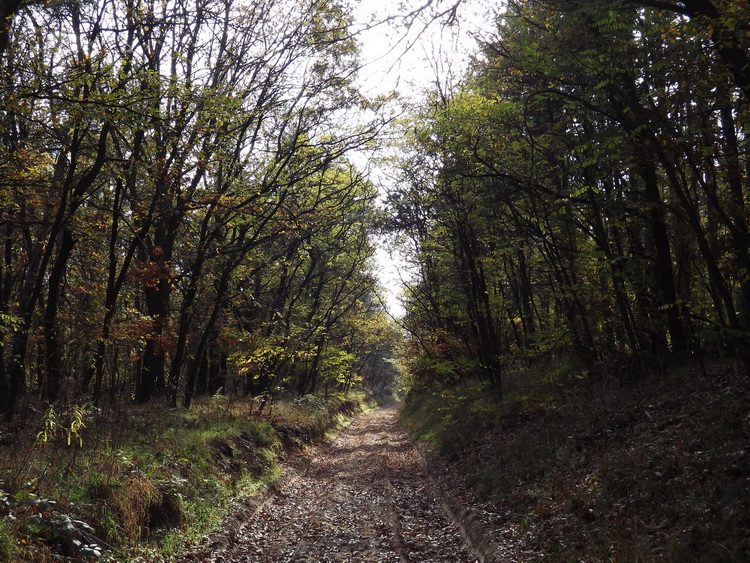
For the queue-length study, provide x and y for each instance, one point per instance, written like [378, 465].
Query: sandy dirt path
[364, 497]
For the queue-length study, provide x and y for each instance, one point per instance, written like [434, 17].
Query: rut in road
[364, 497]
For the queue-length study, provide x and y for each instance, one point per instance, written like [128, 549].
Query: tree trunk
[26, 306]
[51, 389]
[6, 286]
[200, 359]
[479, 307]
[8, 8]
[662, 284]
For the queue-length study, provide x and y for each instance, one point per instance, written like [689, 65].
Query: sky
[412, 60]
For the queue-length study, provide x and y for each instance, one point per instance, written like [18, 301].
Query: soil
[652, 471]
[654, 474]
[366, 496]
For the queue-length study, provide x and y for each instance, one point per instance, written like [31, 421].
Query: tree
[586, 181]
[163, 154]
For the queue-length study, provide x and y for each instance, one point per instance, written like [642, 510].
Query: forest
[179, 214]
[187, 213]
[580, 202]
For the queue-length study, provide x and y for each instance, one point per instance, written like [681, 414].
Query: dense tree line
[579, 203]
[177, 211]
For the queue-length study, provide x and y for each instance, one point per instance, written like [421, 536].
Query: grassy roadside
[145, 483]
[653, 471]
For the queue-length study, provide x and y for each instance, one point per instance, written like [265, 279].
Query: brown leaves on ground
[364, 497]
[648, 472]
[656, 472]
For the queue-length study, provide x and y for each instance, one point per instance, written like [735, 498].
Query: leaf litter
[365, 497]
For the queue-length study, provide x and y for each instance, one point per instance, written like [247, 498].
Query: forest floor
[656, 472]
[365, 496]
[653, 470]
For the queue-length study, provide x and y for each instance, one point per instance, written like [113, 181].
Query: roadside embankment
[147, 481]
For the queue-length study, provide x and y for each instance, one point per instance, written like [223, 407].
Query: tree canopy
[181, 215]
[579, 203]
[178, 211]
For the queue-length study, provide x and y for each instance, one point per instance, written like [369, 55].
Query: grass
[8, 546]
[145, 481]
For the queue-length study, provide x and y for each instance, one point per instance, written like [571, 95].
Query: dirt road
[364, 497]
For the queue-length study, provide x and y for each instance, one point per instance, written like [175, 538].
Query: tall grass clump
[83, 482]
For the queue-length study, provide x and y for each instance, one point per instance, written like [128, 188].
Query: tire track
[399, 545]
[365, 497]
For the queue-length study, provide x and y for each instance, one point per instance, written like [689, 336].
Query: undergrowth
[148, 482]
[654, 470]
